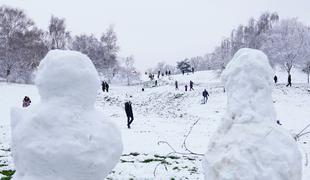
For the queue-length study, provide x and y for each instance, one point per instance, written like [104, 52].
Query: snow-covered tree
[21, 45]
[285, 45]
[184, 66]
[57, 33]
[110, 47]
[130, 71]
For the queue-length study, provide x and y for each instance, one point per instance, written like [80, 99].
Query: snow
[248, 145]
[163, 114]
[63, 136]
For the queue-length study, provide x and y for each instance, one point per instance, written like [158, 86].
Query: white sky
[159, 30]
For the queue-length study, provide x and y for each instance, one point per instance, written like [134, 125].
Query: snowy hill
[163, 114]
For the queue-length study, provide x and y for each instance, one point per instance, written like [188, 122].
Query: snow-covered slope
[163, 114]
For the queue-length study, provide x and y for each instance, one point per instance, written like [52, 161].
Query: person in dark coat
[183, 72]
[193, 70]
[275, 78]
[186, 87]
[155, 82]
[176, 85]
[205, 95]
[289, 81]
[26, 101]
[169, 72]
[191, 84]
[158, 74]
[107, 87]
[129, 113]
[166, 73]
[103, 86]
[142, 89]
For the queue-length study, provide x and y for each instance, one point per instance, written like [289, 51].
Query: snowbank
[249, 145]
[64, 137]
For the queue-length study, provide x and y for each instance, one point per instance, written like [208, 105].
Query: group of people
[104, 86]
[191, 86]
[159, 73]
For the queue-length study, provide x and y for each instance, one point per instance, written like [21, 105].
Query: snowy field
[163, 114]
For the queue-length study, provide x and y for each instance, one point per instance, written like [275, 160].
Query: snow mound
[64, 137]
[249, 145]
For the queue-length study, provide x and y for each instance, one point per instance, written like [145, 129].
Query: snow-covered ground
[163, 114]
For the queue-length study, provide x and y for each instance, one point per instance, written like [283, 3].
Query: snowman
[249, 145]
[64, 137]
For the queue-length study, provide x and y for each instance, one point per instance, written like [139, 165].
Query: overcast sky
[159, 30]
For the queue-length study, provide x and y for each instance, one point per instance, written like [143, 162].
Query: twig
[302, 133]
[184, 142]
[173, 151]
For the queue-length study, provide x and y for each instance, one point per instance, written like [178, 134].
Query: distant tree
[184, 66]
[110, 47]
[57, 33]
[130, 71]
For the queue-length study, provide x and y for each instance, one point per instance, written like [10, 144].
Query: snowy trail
[163, 114]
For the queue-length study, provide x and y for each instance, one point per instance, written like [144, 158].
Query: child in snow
[205, 95]
[26, 101]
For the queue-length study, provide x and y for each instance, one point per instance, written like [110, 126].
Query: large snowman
[64, 137]
[249, 145]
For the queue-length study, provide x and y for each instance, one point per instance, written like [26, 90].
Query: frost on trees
[249, 145]
[64, 137]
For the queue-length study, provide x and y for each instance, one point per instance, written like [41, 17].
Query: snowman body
[64, 137]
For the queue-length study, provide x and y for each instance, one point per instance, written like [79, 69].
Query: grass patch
[7, 173]
[151, 160]
[159, 156]
[125, 161]
[132, 154]
[173, 157]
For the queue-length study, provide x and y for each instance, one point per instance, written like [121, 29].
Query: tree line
[23, 45]
[286, 42]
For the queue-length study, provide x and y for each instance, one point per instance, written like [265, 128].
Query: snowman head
[67, 76]
[248, 82]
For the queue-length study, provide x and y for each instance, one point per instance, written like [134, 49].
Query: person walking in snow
[176, 85]
[155, 82]
[205, 95]
[275, 78]
[103, 86]
[191, 84]
[107, 87]
[183, 72]
[26, 101]
[193, 70]
[186, 87]
[289, 81]
[158, 74]
[129, 113]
